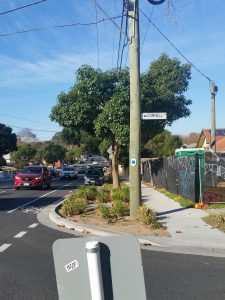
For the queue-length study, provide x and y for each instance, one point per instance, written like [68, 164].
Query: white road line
[20, 234]
[4, 247]
[9, 212]
[2, 192]
[33, 225]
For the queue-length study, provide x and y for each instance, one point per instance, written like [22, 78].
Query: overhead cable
[120, 37]
[59, 26]
[125, 41]
[21, 7]
[109, 18]
[206, 77]
[15, 117]
[114, 32]
[31, 129]
[147, 29]
[96, 18]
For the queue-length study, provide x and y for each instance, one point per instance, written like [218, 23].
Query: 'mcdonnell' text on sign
[154, 116]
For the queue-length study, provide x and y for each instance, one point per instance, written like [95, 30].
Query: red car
[33, 176]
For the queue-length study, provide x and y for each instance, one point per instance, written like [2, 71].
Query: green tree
[99, 103]
[23, 155]
[90, 142]
[162, 90]
[164, 144]
[73, 154]
[104, 147]
[7, 139]
[51, 153]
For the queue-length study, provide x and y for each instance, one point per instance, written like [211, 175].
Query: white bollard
[94, 269]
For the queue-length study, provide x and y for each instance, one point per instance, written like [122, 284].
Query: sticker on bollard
[112, 264]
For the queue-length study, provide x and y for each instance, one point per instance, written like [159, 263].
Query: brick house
[204, 140]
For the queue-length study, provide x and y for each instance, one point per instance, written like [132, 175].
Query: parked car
[33, 176]
[82, 169]
[68, 172]
[94, 176]
[52, 172]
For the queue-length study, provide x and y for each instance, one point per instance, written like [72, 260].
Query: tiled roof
[220, 138]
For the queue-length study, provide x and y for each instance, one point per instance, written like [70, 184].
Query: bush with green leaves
[103, 197]
[111, 214]
[73, 205]
[87, 192]
[106, 187]
[122, 194]
[104, 212]
[119, 209]
[148, 217]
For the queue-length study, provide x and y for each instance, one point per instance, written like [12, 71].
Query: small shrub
[107, 188]
[104, 212]
[73, 205]
[122, 194]
[148, 217]
[87, 192]
[103, 197]
[119, 209]
[81, 192]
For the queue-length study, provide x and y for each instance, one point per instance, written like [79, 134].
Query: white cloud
[60, 68]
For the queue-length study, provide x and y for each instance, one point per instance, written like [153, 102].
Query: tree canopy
[23, 155]
[50, 153]
[99, 102]
[7, 140]
[163, 144]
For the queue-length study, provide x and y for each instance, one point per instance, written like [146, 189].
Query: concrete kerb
[84, 228]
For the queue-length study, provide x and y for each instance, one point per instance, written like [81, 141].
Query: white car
[68, 172]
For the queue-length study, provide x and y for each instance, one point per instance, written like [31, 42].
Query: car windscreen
[68, 169]
[93, 172]
[32, 170]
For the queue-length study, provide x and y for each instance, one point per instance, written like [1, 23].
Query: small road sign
[154, 116]
[133, 162]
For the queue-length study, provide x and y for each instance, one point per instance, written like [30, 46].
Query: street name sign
[120, 263]
[154, 116]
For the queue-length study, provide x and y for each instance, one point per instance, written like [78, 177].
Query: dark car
[52, 172]
[94, 176]
[33, 176]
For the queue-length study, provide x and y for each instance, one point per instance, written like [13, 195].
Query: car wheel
[17, 187]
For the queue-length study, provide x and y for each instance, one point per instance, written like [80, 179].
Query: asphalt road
[26, 260]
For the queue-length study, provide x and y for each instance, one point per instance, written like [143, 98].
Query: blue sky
[36, 66]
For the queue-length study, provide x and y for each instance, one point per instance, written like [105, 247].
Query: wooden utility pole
[135, 108]
[213, 90]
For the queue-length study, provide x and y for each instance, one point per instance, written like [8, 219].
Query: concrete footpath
[188, 232]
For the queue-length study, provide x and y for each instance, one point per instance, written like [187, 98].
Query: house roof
[220, 138]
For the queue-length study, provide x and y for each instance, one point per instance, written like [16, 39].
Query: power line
[31, 129]
[25, 119]
[110, 18]
[125, 41]
[60, 26]
[175, 47]
[21, 7]
[120, 37]
[96, 17]
[147, 29]
[114, 31]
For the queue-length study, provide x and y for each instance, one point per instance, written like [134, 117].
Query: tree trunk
[115, 173]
